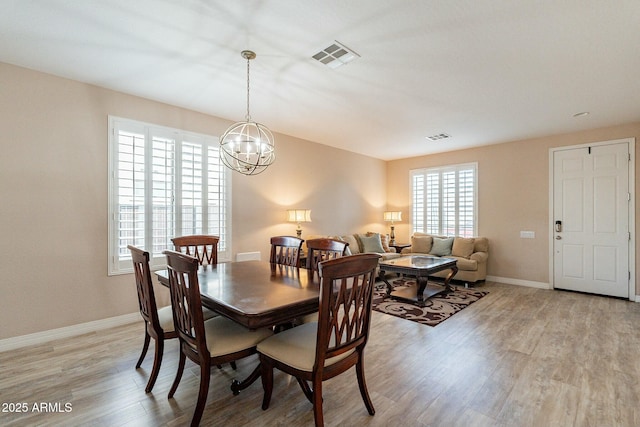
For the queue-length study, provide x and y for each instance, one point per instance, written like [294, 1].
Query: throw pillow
[463, 247]
[384, 239]
[372, 244]
[421, 244]
[441, 247]
[353, 247]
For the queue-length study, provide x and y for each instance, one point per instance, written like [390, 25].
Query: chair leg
[266, 372]
[157, 361]
[205, 377]
[317, 403]
[174, 387]
[306, 389]
[145, 347]
[363, 387]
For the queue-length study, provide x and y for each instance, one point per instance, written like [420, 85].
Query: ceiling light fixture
[247, 147]
[581, 114]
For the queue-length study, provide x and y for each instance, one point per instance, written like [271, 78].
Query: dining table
[256, 294]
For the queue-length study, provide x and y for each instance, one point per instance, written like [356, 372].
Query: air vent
[335, 55]
[438, 137]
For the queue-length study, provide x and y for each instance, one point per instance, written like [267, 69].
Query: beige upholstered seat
[297, 348]
[314, 352]
[216, 341]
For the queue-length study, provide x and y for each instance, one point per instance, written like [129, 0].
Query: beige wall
[513, 196]
[53, 184]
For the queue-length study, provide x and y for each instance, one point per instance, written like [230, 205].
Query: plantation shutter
[444, 200]
[164, 183]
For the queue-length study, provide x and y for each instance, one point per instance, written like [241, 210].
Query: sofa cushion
[462, 247]
[372, 244]
[354, 246]
[384, 239]
[389, 255]
[421, 244]
[441, 247]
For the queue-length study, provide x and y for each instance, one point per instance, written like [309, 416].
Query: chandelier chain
[248, 116]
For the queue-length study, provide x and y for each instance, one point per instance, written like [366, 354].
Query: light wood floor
[518, 357]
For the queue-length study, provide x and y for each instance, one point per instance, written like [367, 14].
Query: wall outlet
[527, 234]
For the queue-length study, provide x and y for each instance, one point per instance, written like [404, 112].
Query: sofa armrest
[406, 250]
[479, 256]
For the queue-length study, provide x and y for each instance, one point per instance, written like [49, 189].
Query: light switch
[527, 234]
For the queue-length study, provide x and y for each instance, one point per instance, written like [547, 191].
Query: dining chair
[286, 250]
[323, 249]
[318, 250]
[202, 247]
[158, 322]
[317, 351]
[207, 343]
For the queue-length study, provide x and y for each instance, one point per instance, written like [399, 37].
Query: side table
[399, 246]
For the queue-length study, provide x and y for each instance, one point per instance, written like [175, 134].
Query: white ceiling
[483, 71]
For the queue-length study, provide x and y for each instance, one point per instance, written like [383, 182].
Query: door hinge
[628, 197]
[629, 156]
[629, 234]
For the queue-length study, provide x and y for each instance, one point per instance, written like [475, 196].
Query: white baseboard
[68, 331]
[531, 284]
[528, 283]
[248, 256]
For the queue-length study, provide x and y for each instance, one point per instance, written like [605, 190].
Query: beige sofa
[362, 243]
[471, 253]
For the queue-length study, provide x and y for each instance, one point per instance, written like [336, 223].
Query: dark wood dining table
[256, 294]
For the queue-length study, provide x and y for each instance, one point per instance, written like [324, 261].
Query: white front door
[591, 231]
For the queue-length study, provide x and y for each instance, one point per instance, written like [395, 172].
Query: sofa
[472, 254]
[362, 243]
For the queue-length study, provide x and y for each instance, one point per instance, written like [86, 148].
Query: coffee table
[418, 266]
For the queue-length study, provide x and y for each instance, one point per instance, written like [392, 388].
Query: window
[444, 200]
[164, 183]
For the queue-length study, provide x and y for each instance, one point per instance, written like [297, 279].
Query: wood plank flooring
[518, 357]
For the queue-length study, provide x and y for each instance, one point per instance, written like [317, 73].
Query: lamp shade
[299, 215]
[393, 216]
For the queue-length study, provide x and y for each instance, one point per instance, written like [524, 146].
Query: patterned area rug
[437, 309]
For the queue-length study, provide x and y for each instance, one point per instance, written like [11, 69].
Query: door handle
[558, 226]
[558, 237]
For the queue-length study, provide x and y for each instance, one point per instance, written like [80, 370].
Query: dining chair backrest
[186, 303]
[323, 249]
[202, 247]
[340, 334]
[285, 250]
[346, 296]
[144, 286]
[158, 323]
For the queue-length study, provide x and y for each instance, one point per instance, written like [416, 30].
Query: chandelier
[247, 147]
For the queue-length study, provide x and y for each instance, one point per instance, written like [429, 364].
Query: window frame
[120, 262]
[420, 215]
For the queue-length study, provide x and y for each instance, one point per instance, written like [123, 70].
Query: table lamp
[298, 216]
[391, 216]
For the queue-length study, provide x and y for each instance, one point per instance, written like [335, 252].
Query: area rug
[437, 309]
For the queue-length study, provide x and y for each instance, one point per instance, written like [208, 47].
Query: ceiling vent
[438, 137]
[335, 55]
